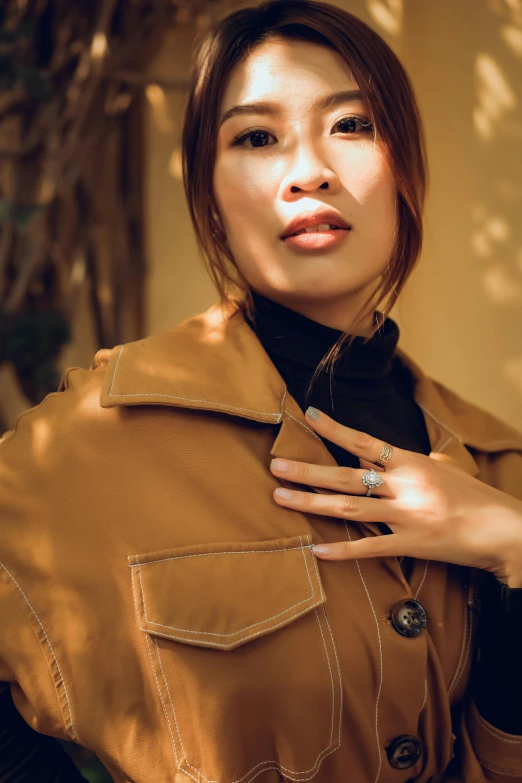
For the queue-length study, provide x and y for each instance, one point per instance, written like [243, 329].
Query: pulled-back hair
[386, 91]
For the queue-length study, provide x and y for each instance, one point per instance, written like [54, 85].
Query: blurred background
[96, 246]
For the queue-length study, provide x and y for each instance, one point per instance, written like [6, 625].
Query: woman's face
[274, 171]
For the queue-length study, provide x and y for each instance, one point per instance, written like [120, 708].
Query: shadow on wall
[461, 312]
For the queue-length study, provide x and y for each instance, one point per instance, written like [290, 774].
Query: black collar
[294, 337]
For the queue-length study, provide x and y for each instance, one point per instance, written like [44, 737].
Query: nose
[308, 171]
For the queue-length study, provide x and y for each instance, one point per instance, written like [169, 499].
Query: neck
[338, 314]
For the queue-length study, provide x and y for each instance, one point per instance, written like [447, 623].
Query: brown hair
[386, 91]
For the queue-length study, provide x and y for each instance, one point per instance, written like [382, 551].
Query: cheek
[245, 195]
[372, 185]
[237, 178]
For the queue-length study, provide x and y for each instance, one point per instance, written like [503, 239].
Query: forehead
[281, 69]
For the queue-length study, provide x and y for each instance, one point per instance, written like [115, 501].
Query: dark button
[408, 617]
[403, 751]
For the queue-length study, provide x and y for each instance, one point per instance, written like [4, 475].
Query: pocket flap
[223, 595]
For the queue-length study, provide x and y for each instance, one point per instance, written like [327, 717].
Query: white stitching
[153, 668]
[156, 678]
[461, 669]
[241, 630]
[441, 448]
[74, 734]
[425, 694]
[380, 654]
[441, 423]
[204, 554]
[173, 710]
[190, 399]
[488, 728]
[336, 659]
[303, 425]
[423, 578]
[453, 682]
[216, 644]
[506, 443]
[509, 444]
[263, 764]
[498, 771]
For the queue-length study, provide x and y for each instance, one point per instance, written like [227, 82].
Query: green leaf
[5, 210]
[23, 215]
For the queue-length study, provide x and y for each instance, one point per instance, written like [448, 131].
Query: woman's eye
[355, 125]
[350, 125]
[256, 136]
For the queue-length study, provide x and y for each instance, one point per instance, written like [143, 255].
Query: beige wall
[460, 315]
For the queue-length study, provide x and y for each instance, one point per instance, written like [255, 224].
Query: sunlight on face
[264, 180]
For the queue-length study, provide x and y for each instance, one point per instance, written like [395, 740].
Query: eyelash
[364, 122]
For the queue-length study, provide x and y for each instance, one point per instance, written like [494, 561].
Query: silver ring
[371, 479]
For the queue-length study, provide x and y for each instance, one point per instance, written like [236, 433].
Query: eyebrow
[268, 107]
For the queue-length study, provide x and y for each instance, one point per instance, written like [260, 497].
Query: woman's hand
[435, 510]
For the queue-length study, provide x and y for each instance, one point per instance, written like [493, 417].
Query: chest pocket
[242, 657]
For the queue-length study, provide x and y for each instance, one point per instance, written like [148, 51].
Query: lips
[310, 219]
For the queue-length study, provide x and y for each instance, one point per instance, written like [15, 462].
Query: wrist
[509, 570]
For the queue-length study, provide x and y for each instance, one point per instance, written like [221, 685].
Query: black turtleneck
[372, 391]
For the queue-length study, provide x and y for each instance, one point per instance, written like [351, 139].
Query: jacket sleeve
[32, 710]
[25, 754]
[491, 716]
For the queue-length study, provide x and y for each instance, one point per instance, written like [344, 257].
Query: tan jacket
[158, 607]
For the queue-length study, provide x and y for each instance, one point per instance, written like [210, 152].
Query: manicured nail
[283, 493]
[312, 413]
[279, 464]
[321, 549]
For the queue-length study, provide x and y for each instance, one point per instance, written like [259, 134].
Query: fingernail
[312, 413]
[283, 493]
[279, 464]
[321, 549]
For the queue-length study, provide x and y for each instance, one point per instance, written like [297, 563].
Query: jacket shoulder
[477, 426]
[77, 398]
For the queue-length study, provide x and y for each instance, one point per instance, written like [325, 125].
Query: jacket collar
[214, 361]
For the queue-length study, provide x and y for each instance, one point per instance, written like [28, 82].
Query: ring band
[386, 454]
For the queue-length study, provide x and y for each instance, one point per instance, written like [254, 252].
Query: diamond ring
[371, 479]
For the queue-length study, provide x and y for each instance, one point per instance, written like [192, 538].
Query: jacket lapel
[214, 361]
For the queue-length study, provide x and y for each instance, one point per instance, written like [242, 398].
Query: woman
[161, 604]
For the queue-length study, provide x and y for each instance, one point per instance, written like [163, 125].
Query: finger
[370, 466]
[359, 443]
[340, 479]
[395, 545]
[353, 507]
